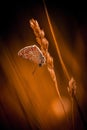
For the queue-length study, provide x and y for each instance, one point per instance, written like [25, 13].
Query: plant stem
[80, 113]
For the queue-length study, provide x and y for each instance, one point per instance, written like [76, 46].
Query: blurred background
[30, 102]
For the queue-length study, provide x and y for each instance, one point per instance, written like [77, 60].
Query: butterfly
[32, 53]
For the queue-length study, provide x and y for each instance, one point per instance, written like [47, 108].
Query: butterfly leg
[35, 68]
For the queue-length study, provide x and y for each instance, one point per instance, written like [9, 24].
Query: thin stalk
[60, 57]
[72, 103]
[80, 113]
[61, 101]
[55, 42]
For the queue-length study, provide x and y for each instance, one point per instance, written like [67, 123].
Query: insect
[33, 53]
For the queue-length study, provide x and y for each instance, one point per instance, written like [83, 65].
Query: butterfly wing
[32, 53]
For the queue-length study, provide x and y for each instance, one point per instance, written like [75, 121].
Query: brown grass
[43, 42]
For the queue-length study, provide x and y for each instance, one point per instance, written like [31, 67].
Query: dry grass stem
[43, 42]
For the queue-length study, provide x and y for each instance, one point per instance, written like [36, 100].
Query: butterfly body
[32, 53]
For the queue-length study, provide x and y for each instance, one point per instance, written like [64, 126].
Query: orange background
[30, 101]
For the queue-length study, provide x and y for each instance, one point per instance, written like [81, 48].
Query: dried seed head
[72, 87]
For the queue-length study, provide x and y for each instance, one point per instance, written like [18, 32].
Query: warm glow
[30, 100]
